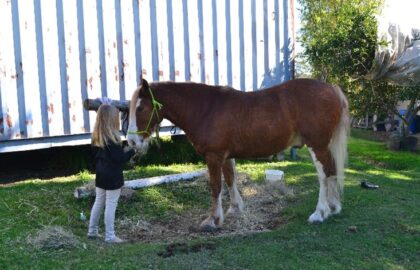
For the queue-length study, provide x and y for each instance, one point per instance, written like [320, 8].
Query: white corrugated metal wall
[56, 53]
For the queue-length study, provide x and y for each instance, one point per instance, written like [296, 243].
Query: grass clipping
[53, 238]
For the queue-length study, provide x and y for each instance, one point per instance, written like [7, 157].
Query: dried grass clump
[53, 238]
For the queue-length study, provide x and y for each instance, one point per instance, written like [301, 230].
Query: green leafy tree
[339, 39]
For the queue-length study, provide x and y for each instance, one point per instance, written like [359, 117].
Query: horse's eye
[139, 109]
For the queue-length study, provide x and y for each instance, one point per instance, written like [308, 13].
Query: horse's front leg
[215, 219]
[229, 173]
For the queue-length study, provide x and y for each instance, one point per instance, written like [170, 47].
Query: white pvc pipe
[164, 179]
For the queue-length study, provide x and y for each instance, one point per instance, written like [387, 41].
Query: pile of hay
[263, 205]
[53, 238]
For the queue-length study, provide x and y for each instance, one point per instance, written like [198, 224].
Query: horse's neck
[177, 104]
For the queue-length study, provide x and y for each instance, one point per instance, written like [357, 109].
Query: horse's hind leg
[329, 198]
[229, 173]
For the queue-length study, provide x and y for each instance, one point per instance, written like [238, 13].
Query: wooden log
[93, 104]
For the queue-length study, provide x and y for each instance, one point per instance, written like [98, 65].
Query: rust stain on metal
[51, 108]
[176, 72]
[90, 82]
[69, 49]
[160, 72]
[68, 77]
[9, 121]
[49, 120]
[125, 41]
[109, 53]
[29, 122]
[144, 71]
[73, 118]
[15, 77]
[273, 16]
[114, 45]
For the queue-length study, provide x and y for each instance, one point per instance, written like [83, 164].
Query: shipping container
[56, 53]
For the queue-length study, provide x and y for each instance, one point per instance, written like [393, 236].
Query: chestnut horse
[223, 124]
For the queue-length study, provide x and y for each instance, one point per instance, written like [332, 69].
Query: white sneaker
[94, 235]
[115, 240]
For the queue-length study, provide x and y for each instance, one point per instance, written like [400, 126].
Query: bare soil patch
[263, 205]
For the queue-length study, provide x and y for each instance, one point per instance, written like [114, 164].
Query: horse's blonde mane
[134, 98]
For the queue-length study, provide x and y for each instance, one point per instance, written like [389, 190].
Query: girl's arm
[118, 155]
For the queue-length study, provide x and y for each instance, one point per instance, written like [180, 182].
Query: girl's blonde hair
[107, 126]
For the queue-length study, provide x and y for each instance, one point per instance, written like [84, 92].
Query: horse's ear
[144, 84]
[144, 88]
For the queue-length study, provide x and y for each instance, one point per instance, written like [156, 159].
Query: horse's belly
[258, 148]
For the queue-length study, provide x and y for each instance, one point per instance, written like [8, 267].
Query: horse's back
[250, 124]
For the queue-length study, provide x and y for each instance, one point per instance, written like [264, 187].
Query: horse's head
[144, 116]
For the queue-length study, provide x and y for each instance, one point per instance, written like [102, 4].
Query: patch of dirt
[263, 205]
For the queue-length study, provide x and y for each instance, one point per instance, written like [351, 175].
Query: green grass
[387, 220]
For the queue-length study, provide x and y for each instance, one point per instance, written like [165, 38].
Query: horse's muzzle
[138, 142]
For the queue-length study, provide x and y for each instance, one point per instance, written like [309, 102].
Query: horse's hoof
[233, 210]
[316, 218]
[209, 229]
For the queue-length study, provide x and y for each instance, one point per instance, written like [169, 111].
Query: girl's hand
[105, 100]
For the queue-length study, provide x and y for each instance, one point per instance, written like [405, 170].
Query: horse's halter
[156, 107]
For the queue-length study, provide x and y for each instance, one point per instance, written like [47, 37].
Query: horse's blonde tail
[338, 144]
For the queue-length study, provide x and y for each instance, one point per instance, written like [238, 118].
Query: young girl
[109, 158]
